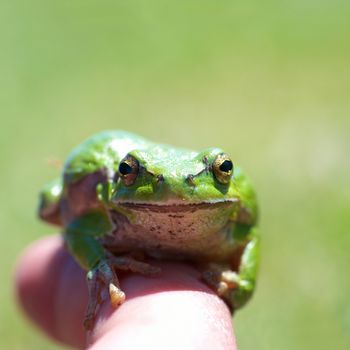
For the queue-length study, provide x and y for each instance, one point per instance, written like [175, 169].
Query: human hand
[171, 311]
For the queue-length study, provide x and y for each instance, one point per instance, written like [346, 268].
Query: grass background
[268, 81]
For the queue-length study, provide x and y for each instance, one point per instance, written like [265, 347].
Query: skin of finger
[51, 290]
[172, 310]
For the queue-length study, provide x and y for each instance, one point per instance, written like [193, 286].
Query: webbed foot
[229, 285]
[104, 273]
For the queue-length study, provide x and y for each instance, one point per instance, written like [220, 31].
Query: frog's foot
[229, 285]
[129, 263]
[105, 272]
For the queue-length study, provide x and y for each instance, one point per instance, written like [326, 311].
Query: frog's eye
[128, 170]
[223, 168]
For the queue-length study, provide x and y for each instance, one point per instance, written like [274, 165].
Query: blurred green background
[269, 81]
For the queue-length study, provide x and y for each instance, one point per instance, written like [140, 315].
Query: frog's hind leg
[49, 202]
[236, 288]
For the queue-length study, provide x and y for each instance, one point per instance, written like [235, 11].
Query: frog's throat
[172, 206]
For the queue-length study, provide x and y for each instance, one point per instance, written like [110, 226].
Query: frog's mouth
[175, 229]
[176, 206]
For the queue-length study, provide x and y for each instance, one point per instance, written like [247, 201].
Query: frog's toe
[228, 285]
[89, 322]
[106, 272]
[117, 296]
[220, 278]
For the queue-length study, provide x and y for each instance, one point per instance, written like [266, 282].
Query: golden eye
[223, 168]
[128, 170]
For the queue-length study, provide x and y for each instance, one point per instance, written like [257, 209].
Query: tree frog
[123, 199]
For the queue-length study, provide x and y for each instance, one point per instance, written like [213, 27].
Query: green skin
[176, 207]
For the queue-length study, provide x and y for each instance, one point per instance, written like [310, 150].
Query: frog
[124, 201]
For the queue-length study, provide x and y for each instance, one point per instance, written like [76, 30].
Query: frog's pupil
[226, 166]
[125, 168]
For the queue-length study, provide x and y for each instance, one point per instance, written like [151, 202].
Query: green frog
[123, 201]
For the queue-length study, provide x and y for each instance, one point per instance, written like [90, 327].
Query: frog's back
[101, 151]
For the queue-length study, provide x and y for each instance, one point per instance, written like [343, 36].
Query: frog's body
[122, 195]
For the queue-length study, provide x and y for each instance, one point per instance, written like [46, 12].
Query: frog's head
[179, 198]
[165, 176]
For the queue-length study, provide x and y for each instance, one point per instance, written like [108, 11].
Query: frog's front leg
[104, 272]
[82, 239]
[236, 288]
